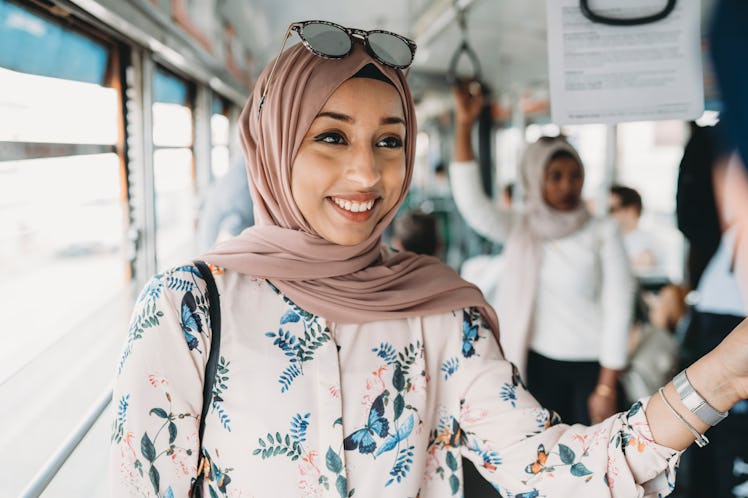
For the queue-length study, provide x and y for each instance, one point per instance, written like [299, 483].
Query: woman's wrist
[605, 391]
[712, 383]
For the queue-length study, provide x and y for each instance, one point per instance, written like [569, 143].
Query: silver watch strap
[695, 403]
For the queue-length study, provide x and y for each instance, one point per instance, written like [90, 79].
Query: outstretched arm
[720, 377]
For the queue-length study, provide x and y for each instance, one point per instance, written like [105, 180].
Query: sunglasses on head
[332, 41]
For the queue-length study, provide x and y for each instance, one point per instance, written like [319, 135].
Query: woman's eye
[330, 138]
[390, 142]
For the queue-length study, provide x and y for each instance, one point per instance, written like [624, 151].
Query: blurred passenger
[227, 207]
[566, 293]
[507, 195]
[642, 246]
[707, 204]
[696, 207]
[653, 346]
[417, 232]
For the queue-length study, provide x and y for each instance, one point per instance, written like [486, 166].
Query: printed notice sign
[608, 74]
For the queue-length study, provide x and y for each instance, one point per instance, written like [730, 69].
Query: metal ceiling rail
[45, 475]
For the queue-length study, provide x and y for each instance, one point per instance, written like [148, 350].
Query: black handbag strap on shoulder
[214, 312]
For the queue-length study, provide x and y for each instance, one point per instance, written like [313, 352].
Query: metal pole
[45, 475]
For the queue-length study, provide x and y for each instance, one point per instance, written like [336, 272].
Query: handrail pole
[45, 475]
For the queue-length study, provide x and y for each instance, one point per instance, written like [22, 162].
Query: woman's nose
[362, 167]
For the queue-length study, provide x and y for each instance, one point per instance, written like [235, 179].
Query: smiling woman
[344, 367]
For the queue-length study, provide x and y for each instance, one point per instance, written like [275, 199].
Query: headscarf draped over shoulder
[346, 284]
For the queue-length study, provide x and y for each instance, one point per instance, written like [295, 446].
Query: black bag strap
[214, 312]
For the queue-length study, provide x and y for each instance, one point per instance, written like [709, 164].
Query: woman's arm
[719, 377]
[478, 210]
[617, 290]
[522, 448]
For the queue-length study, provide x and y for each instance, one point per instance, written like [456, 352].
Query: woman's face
[562, 184]
[350, 168]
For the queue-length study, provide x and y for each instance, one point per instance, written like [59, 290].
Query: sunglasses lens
[391, 49]
[327, 40]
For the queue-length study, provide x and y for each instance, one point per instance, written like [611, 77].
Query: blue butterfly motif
[363, 439]
[191, 322]
[402, 433]
[469, 336]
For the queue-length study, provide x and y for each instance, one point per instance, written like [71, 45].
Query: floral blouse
[302, 406]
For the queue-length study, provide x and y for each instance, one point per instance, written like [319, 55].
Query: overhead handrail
[50, 469]
[463, 49]
[622, 21]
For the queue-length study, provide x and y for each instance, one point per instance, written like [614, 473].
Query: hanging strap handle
[214, 312]
[463, 49]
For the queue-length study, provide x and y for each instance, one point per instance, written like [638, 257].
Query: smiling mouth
[354, 206]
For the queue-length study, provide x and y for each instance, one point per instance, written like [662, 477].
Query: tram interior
[116, 117]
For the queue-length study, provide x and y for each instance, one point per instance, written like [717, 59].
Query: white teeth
[352, 206]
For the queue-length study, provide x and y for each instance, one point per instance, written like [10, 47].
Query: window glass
[63, 276]
[34, 45]
[173, 170]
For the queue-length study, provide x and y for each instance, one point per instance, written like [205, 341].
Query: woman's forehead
[366, 93]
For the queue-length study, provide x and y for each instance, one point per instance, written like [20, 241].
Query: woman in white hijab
[565, 294]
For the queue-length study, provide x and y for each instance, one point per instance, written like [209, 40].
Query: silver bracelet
[701, 440]
[695, 402]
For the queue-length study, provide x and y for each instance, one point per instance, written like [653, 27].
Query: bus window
[173, 169]
[63, 214]
[219, 132]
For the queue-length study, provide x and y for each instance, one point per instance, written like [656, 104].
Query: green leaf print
[398, 379]
[342, 486]
[333, 461]
[159, 412]
[155, 478]
[451, 461]
[172, 432]
[454, 484]
[146, 448]
[579, 470]
[398, 406]
[566, 453]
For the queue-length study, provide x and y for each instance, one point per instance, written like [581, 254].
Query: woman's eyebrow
[393, 120]
[336, 115]
[348, 119]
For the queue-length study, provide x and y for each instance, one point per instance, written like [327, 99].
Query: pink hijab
[524, 247]
[346, 284]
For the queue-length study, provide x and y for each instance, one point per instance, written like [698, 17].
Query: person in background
[347, 370]
[642, 247]
[226, 209]
[566, 291]
[417, 232]
[653, 346]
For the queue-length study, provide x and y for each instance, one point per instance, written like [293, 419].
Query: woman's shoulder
[176, 282]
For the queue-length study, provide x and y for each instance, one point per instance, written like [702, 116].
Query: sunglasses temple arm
[272, 70]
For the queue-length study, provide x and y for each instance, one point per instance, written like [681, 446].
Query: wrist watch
[695, 403]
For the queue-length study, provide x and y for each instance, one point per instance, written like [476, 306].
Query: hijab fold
[346, 284]
[524, 247]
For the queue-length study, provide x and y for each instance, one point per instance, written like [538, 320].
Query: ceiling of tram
[508, 36]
